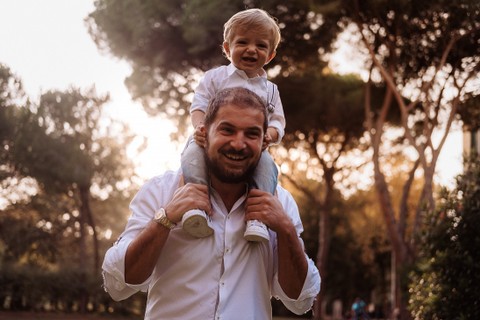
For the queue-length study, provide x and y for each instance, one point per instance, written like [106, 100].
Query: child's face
[249, 51]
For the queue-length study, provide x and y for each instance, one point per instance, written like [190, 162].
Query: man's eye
[253, 134]
[226, 130]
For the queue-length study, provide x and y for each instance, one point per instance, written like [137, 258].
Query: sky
[47, 45]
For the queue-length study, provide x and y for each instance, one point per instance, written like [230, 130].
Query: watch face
[160, 214]
[161, 217]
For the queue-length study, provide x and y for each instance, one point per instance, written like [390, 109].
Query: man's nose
[238, 141]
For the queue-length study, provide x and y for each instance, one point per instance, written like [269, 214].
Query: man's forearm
[142, 254]
[292, 264]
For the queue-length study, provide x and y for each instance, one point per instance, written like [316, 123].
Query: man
[223, 276]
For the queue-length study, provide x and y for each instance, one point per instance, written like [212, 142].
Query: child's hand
[199, 135]
[270, 136]
[267, 139]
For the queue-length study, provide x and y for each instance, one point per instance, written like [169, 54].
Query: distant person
[223, 276]
[251, 38]
[358, 310]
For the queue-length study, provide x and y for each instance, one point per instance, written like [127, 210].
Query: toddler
[251, 38]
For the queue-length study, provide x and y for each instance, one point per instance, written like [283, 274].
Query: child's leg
[195, 222]
[265, 178]
[193, 164]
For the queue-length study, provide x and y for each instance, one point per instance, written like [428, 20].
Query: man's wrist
[162, 218]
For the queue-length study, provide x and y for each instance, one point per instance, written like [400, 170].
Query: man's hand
[187, 197]
[265, 207]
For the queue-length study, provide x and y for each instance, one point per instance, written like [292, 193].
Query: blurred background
[382, 108]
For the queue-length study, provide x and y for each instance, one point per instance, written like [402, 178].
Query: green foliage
[419, 31]
[11, 95]
[168, 42]
[59, 142]
[446, 282]
[66, 146]
[32, 288]
[470, 113]
[314, 101]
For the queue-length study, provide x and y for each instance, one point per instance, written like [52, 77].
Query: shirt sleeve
[204, 92]
[114, 273]
[311, 286]
[143, 207]
[276, 119]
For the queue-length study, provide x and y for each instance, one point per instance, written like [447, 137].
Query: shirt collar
[231, 69]
[239, 201]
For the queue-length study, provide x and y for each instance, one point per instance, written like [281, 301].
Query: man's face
[234, 143]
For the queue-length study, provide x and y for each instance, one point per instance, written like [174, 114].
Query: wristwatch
[161, 218]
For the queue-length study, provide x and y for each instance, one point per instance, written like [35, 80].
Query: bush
[31, 288]
[446, 281]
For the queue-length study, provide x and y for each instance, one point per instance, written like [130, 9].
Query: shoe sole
[197, 226]
[256, 236]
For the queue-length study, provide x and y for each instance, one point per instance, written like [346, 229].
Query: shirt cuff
[114, 273]
[310, 290]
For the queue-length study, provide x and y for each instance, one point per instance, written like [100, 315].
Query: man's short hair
[241, 98]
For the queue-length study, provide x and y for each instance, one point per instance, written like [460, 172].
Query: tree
[444, 283]
[325, 115]
[168, 43]
[11, 96]
[429, 53]
[63, 145]
[317, 128]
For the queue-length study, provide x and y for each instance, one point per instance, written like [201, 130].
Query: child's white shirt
[229, 76]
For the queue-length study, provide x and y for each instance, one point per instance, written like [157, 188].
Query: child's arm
[276, 119]
[197, 118]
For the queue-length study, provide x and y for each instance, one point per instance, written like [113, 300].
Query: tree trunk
[83, 258]
[85, 200]
[324, 238]
[86, 219]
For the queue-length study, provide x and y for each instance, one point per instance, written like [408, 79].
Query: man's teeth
[235, 156]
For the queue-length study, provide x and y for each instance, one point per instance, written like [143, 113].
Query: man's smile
[235, 156]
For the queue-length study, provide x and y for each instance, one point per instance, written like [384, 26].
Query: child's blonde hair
[252, 18]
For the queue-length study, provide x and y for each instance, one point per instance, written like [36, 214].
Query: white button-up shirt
[218, 277]
[224, 77]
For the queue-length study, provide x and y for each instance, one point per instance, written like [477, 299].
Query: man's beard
[228, 176]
